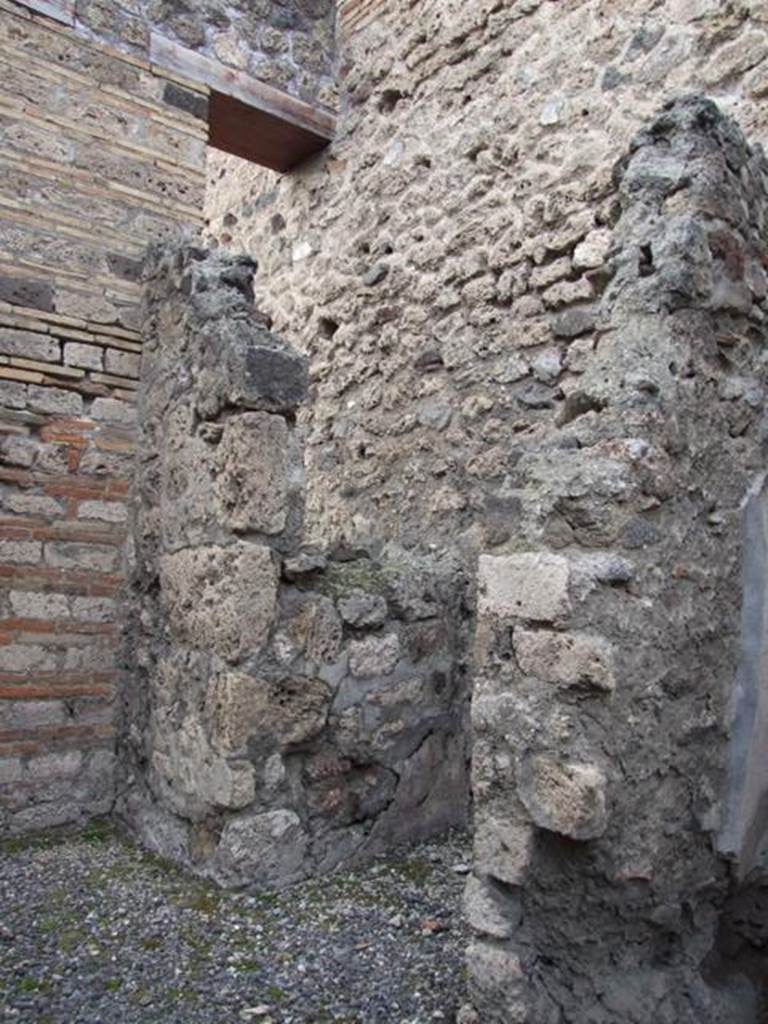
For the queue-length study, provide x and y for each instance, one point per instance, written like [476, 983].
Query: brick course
[102, 150]
[94, 163]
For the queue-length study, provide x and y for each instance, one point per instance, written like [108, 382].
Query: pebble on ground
[95, 931]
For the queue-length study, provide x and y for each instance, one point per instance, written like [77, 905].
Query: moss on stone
[362, 574]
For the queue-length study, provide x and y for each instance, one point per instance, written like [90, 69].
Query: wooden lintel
[247, 117]
[255, 135]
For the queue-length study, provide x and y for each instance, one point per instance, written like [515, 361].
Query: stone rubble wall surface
[608, 642]
[538, 341]
[441, 265]
[291, 708]
[286, 43]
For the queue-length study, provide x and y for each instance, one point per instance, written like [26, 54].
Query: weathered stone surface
[186, 491]
[532, 585]
[497, 981]
[279, 713]
[68, 555]
[564, 797]
[431, 792]
[573, 322]
[221, 598]
[33, 605]
[503, 849]
[309, 625]
[363, 610]
[422, 431]
[568, 659]
[194, 779]
[264, 375]
[108, 158]
[264, 848]
[251, 482]
[592, 251]
[659, 316]
[374, 656]
[233, 705]
[24, 291]
[491, 909]
[88, 356]
[54, 400]
[251, 685]
[304, 564]
[29, 345]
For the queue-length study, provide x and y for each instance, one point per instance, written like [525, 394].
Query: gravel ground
[94, 931]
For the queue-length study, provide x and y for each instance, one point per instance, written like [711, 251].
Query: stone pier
[618, 720]
[292, 708]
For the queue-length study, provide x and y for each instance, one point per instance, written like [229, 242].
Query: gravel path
[94, 931]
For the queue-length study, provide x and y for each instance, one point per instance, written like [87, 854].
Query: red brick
[113, 444]
[95, 532]
[109, 533]
[16, 476]
[76, 487]
[34, 691]
[78, 581]
[118, 488]
[67, 486]
[60, 626]
[21, 522]
[64, 432]
[70, 425]
[15, 533]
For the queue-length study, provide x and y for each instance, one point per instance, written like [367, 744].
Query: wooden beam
[255, 135]
[247, 117]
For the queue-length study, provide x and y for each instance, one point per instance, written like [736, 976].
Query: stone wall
[286, 43]
[291, 708]
[354, 15]
[608, 644]
[418, 262]
[539, 342]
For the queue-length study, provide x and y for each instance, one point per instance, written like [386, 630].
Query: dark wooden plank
[165, 54]
[256, 135]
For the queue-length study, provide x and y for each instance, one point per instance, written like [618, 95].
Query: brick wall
[99, 153]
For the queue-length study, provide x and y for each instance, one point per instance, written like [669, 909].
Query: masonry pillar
[292, 708]
[617, 809]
